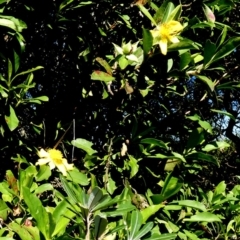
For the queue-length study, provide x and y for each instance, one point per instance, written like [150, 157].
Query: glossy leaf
[12, 120]
[185, 59]
[196, 137]
[4, 210]
[136, 222]
[208, 81]
[143, 231]
[146, 13]
[226, 49]
[172, 185]
[21, 232]
[84, 145]
[102, 76]
[104, 64]
[77, 177]
[216, 145]
[224, 113]
[209, 51]
[167, 12]
[203, 157]
[133, 165]
[100, 225]
[38, 212]
[160, 12]
[192, 204]
[203, 217]
[154, 142]
[147, 41]
[164, 236]
[150, 211]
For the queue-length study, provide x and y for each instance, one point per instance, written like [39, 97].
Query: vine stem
[88, 224]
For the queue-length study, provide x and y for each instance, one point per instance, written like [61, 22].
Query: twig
[108, 162]
[61, 138]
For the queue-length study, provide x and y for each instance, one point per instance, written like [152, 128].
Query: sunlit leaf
[12, 120]
[102, 76]
[84, 145]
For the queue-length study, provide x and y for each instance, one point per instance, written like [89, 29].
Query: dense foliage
[119, 120]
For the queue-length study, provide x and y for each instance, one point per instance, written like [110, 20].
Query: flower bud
[209, 14]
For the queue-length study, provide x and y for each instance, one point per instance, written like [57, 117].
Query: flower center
[56, 156]
[170, 29]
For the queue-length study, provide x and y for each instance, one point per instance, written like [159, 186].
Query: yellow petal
[51, 165]
[62, 169]
[173, 39]
[43, 154]
[67, 165]
[43, 161]
[174, 27]
[163, 46]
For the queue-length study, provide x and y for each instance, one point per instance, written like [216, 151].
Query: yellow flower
[54, 158]
[165, 33]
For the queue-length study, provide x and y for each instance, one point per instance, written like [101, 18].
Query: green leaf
[220, 189]
[13, 23]
[206, 126]
[136, 222]
[84, 145]
[28, 71]
[34, 232]
[102, 76]
[196, 137]
[62, 215]
[222, 36]
[10, 70]
[4, 209]
[192, 204]
[208, 81]
[185, 59]
[167, 12]
[171, 186]
[104, 63]
[171, 164]
[203, 217]
[38, 212]
[100, 225]
[123, 62]
[16, 61]
[69, 190]
[121, 210]
[133, 163]
[41, 98]
[226, 49]
[20, 231]
[216, 145]
[44, 173]
[209, 50]
[175, 14]
[150, 211]
[182, 45]
[12, 120]
[43, 188]
[111, 186]
[154, 142]
[77, 177]
[203, 157]
[146, 13]
[160, 12]
[224, 113]
[147, 41]
[95, 197]
[164, 236]
[143, 231]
